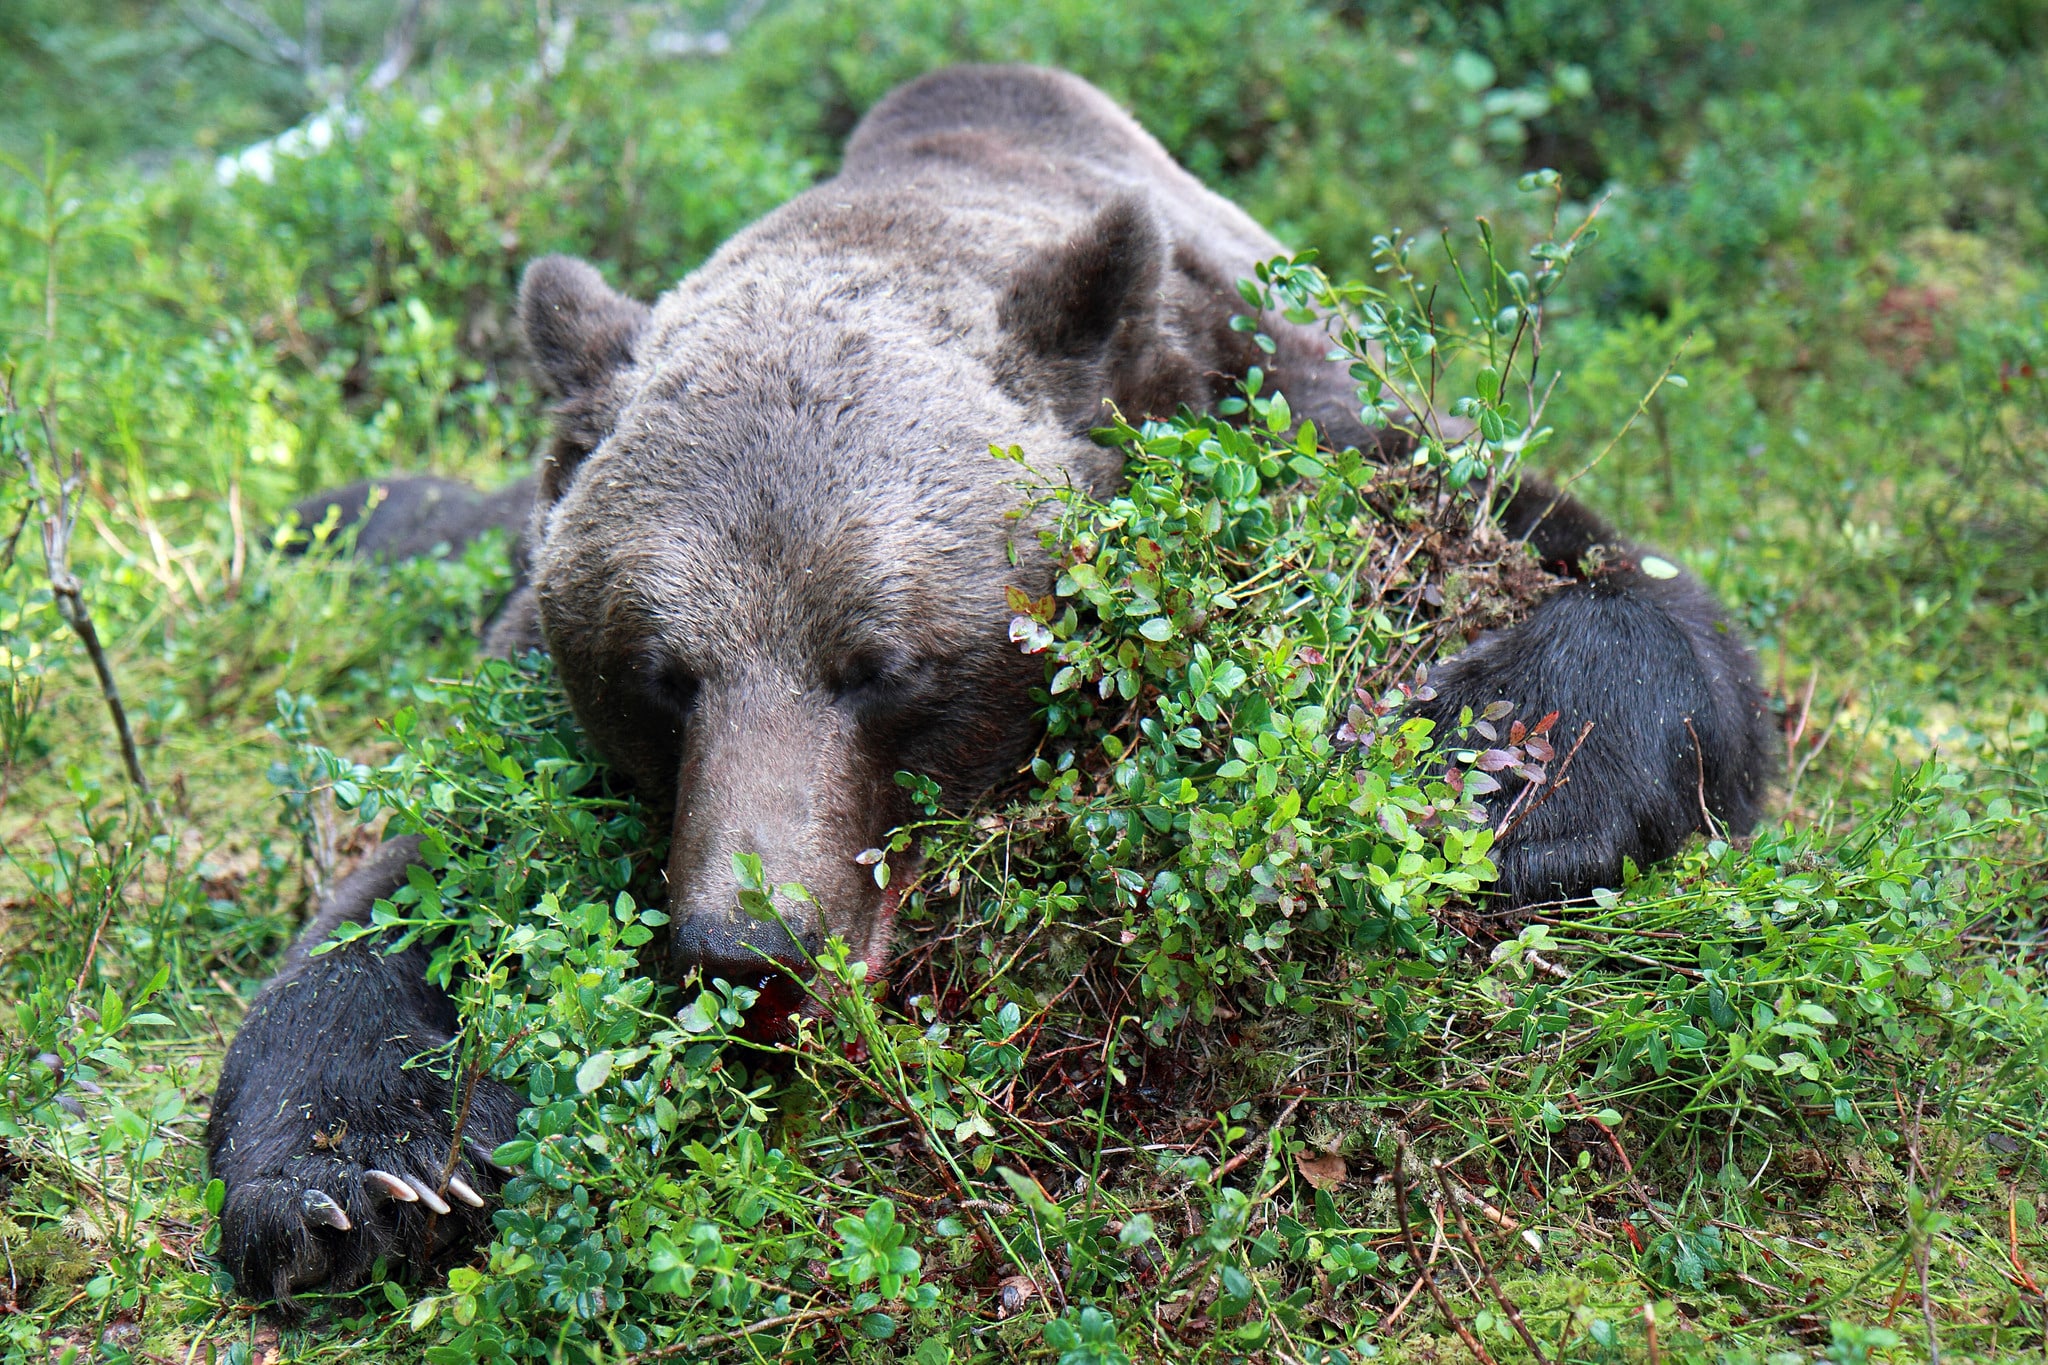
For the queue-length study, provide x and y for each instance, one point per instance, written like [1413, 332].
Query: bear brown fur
[770, 554]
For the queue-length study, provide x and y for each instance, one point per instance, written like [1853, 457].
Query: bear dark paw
[1564, 868]
[321, 1216]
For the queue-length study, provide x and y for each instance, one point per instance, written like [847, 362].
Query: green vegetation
[1194, 1047]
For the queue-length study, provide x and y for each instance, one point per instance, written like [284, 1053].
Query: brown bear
[769, 554]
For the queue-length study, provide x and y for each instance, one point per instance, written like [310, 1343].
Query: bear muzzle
[773, 796]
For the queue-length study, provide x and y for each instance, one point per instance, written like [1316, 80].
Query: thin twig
[401, 41]
[1798, 726]
[469, 1084]
[801, 1318]
[1435, 1248]
[1699, 756]
[1927, 1309]
[14, 537]
[1401, 1159]
[94, 946]
[1628, 1167]
[1563, 778]
[238, 552]
[1925, 1244]
[262, 40]
[1486, 1275]
[1806, 759]
[2021, 1275]
[65, 588]
[1641, 407]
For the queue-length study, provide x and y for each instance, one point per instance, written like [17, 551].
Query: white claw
[459, 1187]
[428, 1197]
[320, 1207]
[392, 1186]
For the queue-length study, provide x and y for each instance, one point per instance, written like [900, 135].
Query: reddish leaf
[1325, 1172]
[1498, 710]
[1543, 726]
[1031, 636]
[1493, 760]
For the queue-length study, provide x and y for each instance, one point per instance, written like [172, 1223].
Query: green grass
[1771, 1101]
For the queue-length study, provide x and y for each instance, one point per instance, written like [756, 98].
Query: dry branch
[1486, 1275]
[60, 518]
[1402, 1157]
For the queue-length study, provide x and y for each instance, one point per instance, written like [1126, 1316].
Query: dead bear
[769, 554]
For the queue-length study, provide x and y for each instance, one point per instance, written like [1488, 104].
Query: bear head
[772, 547]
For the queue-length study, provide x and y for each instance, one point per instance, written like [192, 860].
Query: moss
[51, 1262]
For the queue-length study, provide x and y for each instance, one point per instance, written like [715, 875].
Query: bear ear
[1087, 317]
[581, 332]
[579, 329]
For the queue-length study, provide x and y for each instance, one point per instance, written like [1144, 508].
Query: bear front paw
[323, 1215]
[334, 1127]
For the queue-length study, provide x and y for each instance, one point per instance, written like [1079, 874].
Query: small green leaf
[700, 1015]
[595, 1071]
[517, 1152]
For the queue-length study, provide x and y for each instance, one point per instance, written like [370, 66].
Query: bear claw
[390, 1186]
[319, 1207]
[427, 1195]
[459, 1187]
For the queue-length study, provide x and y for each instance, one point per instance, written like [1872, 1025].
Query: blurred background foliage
[1836, 208]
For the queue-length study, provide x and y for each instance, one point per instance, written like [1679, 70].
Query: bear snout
[777, 791]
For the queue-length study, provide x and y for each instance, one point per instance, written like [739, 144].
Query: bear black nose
[743, 951]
